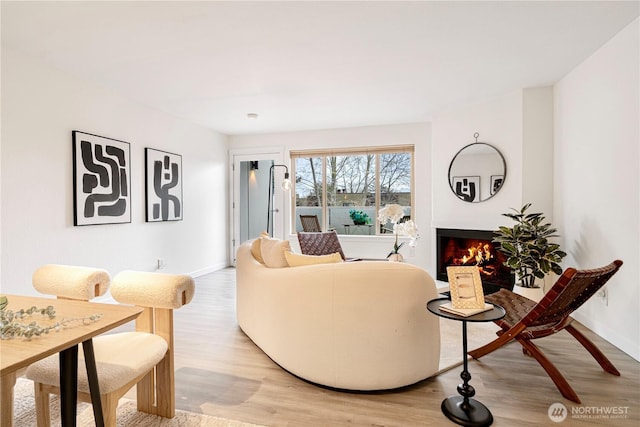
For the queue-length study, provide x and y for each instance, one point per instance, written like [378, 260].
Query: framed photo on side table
[465, 286]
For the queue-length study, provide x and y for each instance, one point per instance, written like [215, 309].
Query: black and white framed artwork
[101, 175]
[496, 183]
[163, 176]
[467, 188]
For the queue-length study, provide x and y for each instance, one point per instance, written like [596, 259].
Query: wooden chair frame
[310, 223]
[155, 389]
[526, 320]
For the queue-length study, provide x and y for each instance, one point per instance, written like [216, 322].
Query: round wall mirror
[477, 172]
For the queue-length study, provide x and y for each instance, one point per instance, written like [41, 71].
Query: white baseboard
[616, 339]
[207, 270]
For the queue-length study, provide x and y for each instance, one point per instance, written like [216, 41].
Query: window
[345, 188]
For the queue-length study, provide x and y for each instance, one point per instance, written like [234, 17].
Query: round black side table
[463, 410]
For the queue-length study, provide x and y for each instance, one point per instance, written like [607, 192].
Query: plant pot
[534, 294]
[395, 258]
[363, 222]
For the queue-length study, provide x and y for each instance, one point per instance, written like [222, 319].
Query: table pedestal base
[474, 414]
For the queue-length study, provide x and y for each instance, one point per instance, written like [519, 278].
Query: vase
[395, 258]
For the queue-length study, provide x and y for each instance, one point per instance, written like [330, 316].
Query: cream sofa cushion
[298, 260]
[256, 250]
[273, 252]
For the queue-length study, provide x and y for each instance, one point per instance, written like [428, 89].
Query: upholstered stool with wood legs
[144, 357]
[67, 282]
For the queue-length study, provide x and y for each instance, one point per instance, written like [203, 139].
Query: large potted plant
[529, 252]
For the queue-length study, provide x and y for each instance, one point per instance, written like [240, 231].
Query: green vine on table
[12, 327]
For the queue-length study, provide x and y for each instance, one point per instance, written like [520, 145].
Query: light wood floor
[219, 371]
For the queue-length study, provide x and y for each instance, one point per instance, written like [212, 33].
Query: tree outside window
[344, 188]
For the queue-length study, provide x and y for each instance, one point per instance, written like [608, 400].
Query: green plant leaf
[556, 269]
[529, 252]
[509, 247]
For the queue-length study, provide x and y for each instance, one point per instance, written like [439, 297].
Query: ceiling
[312, 65]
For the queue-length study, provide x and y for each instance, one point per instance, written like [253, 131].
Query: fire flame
[480, 253]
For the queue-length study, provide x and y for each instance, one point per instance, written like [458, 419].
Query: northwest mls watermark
[558, 412]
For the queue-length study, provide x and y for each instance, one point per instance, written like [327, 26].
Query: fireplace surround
[457, 247]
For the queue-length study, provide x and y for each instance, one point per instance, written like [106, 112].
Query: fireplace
[473, 247]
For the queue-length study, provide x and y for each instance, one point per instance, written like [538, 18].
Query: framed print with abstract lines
[163, 176]
[101, 180]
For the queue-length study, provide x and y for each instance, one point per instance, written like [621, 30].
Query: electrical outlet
[161, 263]
[604, 296]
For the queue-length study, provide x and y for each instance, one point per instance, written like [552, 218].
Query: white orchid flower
[411, 230]
[392, 212]
[407, 228]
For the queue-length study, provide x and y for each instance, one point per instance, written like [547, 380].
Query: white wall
[537, 149]
[40, 108]
[418, 134]
[597, 181]
[520, 125]
[499, 123]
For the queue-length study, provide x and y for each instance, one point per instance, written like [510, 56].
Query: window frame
[353, 151]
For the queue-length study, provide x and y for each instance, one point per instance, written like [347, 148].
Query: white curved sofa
[351, 325]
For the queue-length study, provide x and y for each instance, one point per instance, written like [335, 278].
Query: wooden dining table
[18, 353]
